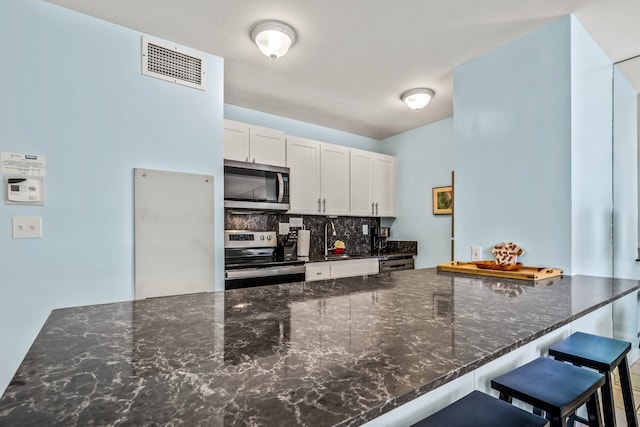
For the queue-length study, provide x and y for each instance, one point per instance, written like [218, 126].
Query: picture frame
[442, 200]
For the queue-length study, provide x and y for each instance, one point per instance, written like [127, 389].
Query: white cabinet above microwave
[319, 177]
[254, 144]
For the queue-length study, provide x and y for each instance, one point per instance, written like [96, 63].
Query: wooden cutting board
[525, 273]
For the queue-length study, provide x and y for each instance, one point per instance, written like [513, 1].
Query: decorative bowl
[491, 265]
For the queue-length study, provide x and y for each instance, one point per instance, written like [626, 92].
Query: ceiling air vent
[173, 64]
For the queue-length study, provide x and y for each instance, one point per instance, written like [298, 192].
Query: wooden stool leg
[607, 402]
[593, 411]
[627, 393]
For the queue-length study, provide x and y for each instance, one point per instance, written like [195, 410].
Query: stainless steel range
[254, 258]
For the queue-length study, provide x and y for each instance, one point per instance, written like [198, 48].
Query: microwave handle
[280, 187]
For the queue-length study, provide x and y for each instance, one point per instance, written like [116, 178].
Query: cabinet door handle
[373, 212]
[254, 160]
[319, 205]
[318, 273]
[376, 208]
[246, 159]
[324, 205]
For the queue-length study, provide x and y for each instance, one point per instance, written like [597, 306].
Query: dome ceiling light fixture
[417, 98]
[274, 38]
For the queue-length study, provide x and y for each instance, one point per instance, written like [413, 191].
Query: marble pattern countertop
[319, 354]
[348, 256]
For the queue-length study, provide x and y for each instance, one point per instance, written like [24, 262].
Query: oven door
[260, 276]
[253, 186]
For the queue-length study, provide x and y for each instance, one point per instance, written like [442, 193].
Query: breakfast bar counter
[336, 352]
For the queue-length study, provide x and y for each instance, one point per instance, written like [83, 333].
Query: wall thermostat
[24, 190]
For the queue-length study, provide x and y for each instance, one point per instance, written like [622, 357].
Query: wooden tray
[524, 273]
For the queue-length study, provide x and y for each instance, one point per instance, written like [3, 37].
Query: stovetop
[254, 249]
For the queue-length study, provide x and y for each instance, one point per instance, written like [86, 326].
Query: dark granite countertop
[319, 354]
[348, 256]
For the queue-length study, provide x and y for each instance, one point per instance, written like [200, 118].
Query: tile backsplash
[348, 229]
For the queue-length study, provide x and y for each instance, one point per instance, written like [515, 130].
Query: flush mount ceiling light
[274, 38]
[418, 98]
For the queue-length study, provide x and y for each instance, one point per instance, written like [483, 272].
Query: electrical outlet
[284, 228]
[476, 253]
[365, 229]
[295, 222]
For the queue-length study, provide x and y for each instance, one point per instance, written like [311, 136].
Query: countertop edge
[463, 370]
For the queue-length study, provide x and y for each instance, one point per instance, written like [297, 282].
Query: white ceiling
[353, 58]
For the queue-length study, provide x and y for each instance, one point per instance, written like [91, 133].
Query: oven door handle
[246, 273]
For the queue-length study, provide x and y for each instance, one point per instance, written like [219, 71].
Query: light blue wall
[591, 151]
[625, 178]
[72, 90]
[424, 159]
[512, 116]
[300, 129]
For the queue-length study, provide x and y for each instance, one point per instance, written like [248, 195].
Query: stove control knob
[261, 237]
[268, 237]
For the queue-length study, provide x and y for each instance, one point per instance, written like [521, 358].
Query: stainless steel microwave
[255, 186]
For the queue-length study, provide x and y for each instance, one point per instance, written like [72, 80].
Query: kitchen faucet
[326, 238]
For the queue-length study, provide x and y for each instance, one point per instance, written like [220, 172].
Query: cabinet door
[355, 267]
[236, 141]
[303, 161]
[384, 185]
[334, 180]
[267, 146]
[361, 185]
[317, 271]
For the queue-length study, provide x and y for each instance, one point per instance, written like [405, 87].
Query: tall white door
[174, 233]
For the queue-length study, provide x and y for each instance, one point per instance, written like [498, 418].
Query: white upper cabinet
[361, 184]
[372, 184]
[236, 141]
[383, 178]
[328, 179]
[248, 143]
[303, 161]
[334, 185]
[319, 177]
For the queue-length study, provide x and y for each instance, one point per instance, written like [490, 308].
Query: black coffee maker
[289, 246]
[379, 237]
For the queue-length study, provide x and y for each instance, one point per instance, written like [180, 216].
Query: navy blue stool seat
[477, 409]
[555, 387]
[604, 355]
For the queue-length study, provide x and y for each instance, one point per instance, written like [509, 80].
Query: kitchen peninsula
[324, 353]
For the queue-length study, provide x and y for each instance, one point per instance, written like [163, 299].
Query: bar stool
[604, 355]
[555, 387]
[477, 409]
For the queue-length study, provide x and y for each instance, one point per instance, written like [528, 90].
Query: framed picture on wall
[442, 200]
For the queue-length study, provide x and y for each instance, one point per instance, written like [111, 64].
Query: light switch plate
[365, 229]
[26, 227]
